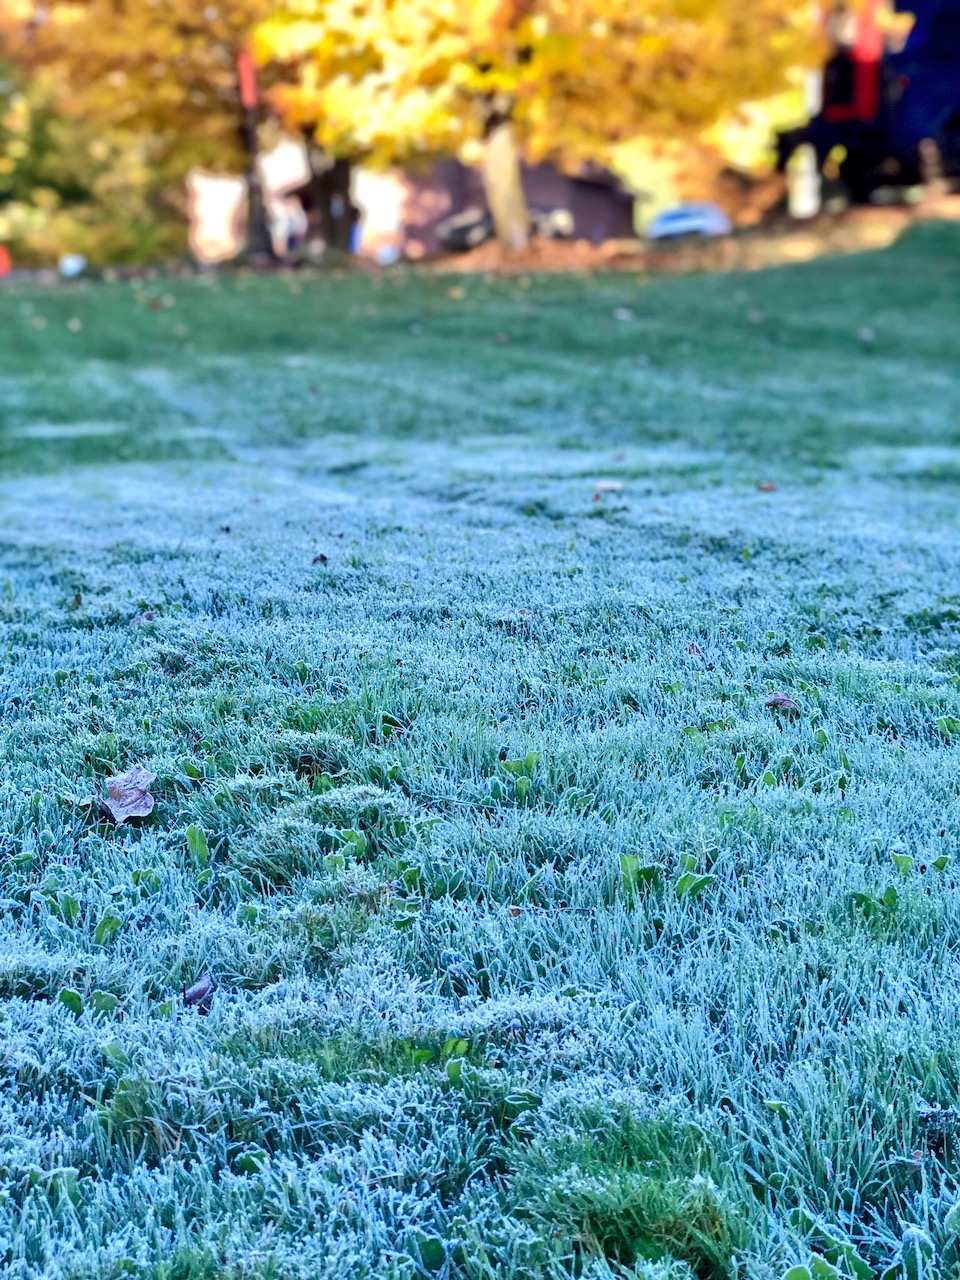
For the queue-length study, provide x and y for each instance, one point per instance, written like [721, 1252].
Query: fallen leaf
[141, 618]
[766, 486]
[200, 993]
[320, 559]
[781, 702]
[128, 795]
[608, 486]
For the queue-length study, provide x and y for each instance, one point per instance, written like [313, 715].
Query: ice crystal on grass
[430, 815]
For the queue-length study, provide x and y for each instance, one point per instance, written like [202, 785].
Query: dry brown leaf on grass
[200, 994]
[781, 702]
[766, 486]
[128, 795]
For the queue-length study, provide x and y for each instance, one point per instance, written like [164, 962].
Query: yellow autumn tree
[68, 182]
[165, 69]
[564, 79]
[163, 76]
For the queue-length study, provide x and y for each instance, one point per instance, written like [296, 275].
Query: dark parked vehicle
[463, 231]
[883, 107]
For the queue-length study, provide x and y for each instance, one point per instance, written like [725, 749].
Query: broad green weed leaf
[115, 1054]
[431, 1250]
[633, 874]
[689, 885]
[197, 844]
[105, 930]
[72, 1000]
[104, 1001]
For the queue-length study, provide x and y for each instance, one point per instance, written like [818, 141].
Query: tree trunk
[259, 240]
[503, 185]
[328, 199]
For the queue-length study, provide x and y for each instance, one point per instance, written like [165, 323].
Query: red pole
[247, 76]
[867, 57]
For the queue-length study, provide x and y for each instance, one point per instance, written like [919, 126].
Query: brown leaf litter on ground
[128, 796]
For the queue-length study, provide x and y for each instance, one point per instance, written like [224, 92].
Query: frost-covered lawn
[540, 946]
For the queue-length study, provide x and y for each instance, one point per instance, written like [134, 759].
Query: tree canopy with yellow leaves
[387, 80]
[163, 69]
[137, 93]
